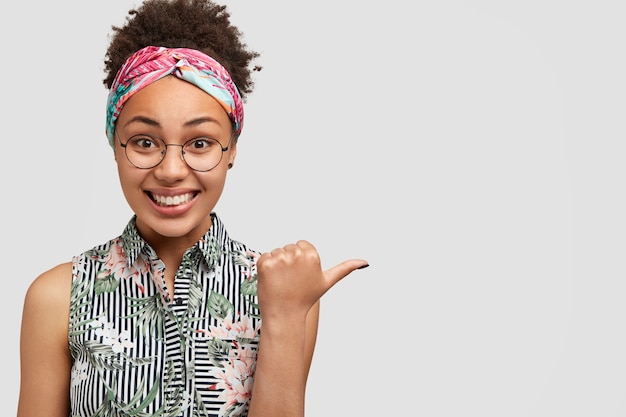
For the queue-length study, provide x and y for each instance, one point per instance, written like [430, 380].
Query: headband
[152, 63]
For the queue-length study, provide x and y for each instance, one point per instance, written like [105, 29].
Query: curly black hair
[197, 24]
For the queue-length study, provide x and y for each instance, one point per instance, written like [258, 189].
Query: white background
[472, 151]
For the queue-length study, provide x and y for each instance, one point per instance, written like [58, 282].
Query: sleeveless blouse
[139, 351]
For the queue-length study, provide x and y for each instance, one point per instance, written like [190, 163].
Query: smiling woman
[173, 317]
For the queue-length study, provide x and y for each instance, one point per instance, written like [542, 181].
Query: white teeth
[172, 200]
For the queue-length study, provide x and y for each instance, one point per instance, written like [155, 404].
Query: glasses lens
[202, 154]
[144, 151]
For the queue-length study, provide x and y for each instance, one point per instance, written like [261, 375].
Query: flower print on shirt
[124, 324]
[239, 330]
[112, 336]
[232, 348]
[115, 265]
[79, 372]
[236, 378]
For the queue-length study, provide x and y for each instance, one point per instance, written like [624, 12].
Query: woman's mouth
[172, 200]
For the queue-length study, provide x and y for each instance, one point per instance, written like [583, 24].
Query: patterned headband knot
[152, 63]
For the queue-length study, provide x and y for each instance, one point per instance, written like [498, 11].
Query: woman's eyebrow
[142, 119]
[200, 120]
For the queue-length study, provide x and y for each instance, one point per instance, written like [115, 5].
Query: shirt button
[179, 301]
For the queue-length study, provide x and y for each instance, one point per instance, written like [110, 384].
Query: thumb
[336, 273]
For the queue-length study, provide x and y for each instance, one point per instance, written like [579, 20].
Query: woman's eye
[143, 142]
[201, 144]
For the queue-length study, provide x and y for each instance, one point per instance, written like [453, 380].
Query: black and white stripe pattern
[139, 351]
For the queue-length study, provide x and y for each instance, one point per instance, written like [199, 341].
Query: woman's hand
[291, 279]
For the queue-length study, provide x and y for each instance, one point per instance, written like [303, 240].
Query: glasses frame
[182, 150]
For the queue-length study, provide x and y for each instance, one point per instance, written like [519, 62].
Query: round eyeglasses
[200, 154]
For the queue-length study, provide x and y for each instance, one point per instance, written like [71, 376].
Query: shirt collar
[211, 246]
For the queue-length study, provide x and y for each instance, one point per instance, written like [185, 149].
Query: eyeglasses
[200, 154]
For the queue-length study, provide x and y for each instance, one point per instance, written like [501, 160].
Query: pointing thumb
[336, 273]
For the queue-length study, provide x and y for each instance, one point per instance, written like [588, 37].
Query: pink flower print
[117, 266]
[236, 379]
[229, 329]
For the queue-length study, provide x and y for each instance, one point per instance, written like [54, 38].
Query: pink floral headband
[152, 63]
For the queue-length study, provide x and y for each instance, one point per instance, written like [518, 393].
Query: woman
[165, 319]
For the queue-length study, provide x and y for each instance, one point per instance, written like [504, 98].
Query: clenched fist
[291, 279]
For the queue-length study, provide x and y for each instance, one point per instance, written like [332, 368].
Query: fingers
[294, 250]
[340, 271]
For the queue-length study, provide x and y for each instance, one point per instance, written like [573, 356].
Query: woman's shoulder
[52, 278]
[51, 289]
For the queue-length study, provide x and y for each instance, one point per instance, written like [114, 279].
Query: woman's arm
[291, 283]
[45, 359]
[312, 320]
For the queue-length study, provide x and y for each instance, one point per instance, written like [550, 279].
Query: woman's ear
[232, 152]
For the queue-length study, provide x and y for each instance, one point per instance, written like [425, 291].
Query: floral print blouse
[139, 351]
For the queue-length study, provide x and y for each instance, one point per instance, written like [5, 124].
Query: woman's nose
[173, 166]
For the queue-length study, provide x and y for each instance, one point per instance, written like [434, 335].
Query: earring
[230, 165]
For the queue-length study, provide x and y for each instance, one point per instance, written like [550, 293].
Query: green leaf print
[200, 410]
[79, 311]
[212, 251]
[108, 283]
[99, 254]
[249, 286]
[134, 408]
[149, 317]
[101, 356]
[132, 243]
[218, 350]
[154, 390]
[219, 306]
[195, 296]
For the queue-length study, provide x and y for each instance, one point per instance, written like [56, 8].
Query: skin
[291, 280]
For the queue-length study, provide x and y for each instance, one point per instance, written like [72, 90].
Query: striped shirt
[139, 351]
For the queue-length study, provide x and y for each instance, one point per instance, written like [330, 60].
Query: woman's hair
[196, 24]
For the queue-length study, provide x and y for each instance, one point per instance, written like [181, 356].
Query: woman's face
[175, 111]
